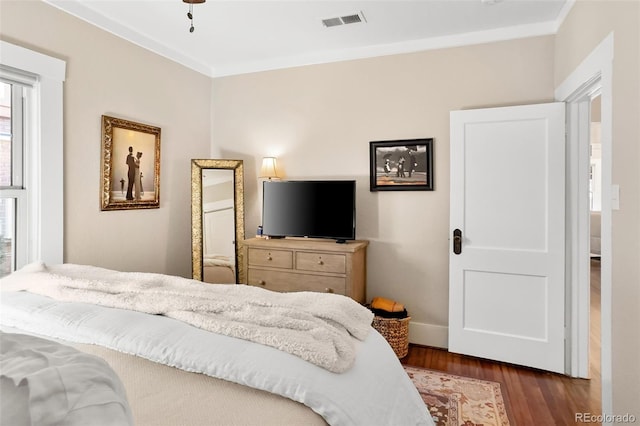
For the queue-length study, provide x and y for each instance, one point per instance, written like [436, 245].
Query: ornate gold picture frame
[130, 165]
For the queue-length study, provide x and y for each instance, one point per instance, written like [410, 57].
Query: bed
[175, 373]
[218, 269]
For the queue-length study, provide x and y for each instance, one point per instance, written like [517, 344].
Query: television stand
[306, 264]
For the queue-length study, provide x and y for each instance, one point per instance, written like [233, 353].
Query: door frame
[595, 73]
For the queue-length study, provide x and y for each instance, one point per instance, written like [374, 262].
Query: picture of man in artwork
[407, 163]
[128, 149]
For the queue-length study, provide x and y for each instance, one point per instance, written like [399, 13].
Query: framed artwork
[130, 165]
[401, 165]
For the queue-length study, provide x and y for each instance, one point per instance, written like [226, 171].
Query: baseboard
[428, 334]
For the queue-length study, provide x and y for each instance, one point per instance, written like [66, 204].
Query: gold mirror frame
[197, 166]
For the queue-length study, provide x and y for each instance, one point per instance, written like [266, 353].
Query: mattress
[165, 396]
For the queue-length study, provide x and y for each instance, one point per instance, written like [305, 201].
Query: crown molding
[467, 39]
[564, 12]
[82, 11]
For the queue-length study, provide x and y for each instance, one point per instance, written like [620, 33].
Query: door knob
[457, 241]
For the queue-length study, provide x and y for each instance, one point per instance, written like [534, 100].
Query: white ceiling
[238, 36]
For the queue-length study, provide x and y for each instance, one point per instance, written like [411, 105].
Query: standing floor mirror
[217, 216]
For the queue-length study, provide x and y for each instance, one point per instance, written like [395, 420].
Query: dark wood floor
[532, 397]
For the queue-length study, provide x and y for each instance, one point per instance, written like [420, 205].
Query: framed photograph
[130, 165]
[401, 165]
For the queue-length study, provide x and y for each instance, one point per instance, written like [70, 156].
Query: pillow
[46, 383]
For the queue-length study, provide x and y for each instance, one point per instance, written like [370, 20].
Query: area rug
[459, 401]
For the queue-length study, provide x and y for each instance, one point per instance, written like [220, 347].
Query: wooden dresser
[304, 264]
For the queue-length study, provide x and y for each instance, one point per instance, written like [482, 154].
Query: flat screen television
[310, 208]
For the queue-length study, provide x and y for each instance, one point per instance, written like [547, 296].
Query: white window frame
[44, 156]
[18, 191]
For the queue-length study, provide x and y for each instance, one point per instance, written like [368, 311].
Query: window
[7, 206]
[31, 190]
[13, 191]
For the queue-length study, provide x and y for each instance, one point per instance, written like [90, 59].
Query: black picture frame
[401, 165]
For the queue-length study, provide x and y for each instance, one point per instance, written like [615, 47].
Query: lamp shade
[268, 169]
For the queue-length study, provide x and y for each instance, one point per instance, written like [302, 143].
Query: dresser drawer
[321, 262]
[290, 281]
[272, 258]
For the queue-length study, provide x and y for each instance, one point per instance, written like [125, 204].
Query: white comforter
[217, 260]
[317, 327]
[375, 391]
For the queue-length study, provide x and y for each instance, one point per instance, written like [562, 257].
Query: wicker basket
[396, 332]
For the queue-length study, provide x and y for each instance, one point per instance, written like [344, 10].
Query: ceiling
[241, 36]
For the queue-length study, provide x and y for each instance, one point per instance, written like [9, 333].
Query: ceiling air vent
[344, 20]
[351, 19]
[332, 22]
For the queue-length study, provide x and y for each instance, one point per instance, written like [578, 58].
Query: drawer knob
[269, 258]
[261, 282]
[328, 290]
[320, 262]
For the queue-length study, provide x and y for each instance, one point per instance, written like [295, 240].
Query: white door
[506, 285]
[220, 232]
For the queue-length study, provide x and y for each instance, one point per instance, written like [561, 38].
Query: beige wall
[107, 75]
[586, 26]
[319, 120]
